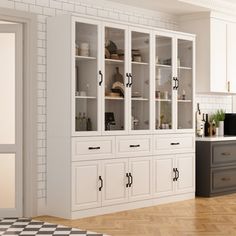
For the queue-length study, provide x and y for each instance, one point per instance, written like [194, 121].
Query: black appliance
[230, 124]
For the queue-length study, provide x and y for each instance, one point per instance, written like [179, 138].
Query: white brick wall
[47, 8]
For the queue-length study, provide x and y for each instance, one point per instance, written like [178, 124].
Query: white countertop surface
[216, 138]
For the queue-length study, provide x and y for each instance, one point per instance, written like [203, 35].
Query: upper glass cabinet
[115, 89]
[185, 84]
[139, 81]
[163, 82]
[85, 84]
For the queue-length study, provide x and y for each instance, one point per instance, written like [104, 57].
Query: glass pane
[140, 81]
[7, 181]
[86, 77]
[185, 85]
[163, 82]
[7, 88]
[114, 79]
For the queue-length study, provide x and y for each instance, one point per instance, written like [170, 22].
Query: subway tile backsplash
[210, 103]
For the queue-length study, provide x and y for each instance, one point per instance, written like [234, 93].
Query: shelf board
[85, 97]
[184, 68]
[113, 98]
[163, 100]
[139, 63]
[139, 99]
[179, 100]
[114, 61]
[83, 58]
[164, 66]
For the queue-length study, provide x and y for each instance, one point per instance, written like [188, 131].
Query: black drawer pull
[226, 154]
[94, 148]
[175, 144]
[225, 179]
[134, 146]
[100, 188]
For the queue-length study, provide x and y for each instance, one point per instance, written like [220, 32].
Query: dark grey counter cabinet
[215, 168]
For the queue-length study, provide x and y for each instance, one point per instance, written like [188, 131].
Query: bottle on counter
[207, 127]
[199, 123]
[203, 123]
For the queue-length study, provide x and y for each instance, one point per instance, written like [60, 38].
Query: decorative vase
[221, 128]
[217, 131]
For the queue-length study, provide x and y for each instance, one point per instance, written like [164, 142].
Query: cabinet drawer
[93, 148]
[223, 154]
[223, 180]
[134, 146]
[178, 143]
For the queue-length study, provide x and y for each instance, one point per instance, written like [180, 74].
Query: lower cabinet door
[185, 164]
[115, 190]
[140, 173]
[85, 185]
[163, 175]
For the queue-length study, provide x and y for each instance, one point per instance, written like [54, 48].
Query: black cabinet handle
[225, 153]
[131, 79]
[174, 143]
[127, 84]
[174, 170]
[128, 184]
[177, 86]
[177, 171]
[94, 148]
[174, 87]
[100, 188]
[100, 82]
[131, 178]
[134, 146]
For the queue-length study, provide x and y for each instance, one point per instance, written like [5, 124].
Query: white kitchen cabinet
[115, 182]
[173, 174]
[140, 171]
[231, 56]
[215, 57]
[163, 176]
[185, 173]
[85, 185]
[100, 133]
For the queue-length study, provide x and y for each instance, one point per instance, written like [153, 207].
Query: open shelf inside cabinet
[164, 66]
[85, 58]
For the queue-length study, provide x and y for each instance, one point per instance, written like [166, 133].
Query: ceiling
[170, 6]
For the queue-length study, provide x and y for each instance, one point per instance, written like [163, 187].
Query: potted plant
[219, 117]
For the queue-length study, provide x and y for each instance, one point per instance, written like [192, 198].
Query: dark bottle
[207, 127]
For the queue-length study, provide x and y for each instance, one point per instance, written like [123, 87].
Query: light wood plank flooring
[201, 216]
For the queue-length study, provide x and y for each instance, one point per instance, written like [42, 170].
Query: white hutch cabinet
[120, 116]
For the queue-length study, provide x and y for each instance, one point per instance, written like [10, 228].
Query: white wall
[48, 8]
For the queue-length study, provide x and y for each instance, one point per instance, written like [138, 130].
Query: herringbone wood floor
[201, 216]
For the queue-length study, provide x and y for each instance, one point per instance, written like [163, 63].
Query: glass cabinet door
[139, 81]
[115, 89]
[185, 84]
[163, 83]
[86, 70]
